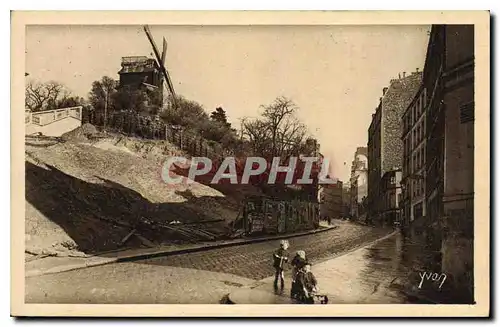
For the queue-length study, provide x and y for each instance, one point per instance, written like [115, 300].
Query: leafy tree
[219, 115]
[189, 114]
[102, 93]
[71, 101]
[129, 99]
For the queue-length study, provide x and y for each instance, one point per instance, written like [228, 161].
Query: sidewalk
[52, 265]
[367, 275]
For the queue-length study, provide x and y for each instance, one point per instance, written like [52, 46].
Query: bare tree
[258, 134]
[275, 114]
[278, 133]
[41, 96]
[290, 137]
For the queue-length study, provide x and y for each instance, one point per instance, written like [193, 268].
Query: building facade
[331, 201]
[140, 71]
[414, 141]
[391, 196]
[346, 201]
[385, 147]
[358, 181]
[449, 79]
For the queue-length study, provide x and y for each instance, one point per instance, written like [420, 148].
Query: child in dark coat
[298, 263]
[280, 258]
[308, 283]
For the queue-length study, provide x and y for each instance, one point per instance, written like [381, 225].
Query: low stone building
[391, 197]
[358, 181]
[331, 201]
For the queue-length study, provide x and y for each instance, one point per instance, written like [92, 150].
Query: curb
[161, 253]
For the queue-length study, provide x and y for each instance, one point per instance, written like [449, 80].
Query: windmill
[161, 63]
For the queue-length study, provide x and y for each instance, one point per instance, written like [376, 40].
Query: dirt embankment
[89, 193]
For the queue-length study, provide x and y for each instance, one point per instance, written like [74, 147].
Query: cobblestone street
[374, 274]
[254, 260]
[203, 277]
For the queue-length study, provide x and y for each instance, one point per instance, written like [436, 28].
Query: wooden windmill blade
[161, 64]
[164, 52]
[163, 57]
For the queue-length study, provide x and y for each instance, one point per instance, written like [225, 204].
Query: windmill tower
[161, 64]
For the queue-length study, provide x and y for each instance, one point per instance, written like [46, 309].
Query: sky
[334, 74]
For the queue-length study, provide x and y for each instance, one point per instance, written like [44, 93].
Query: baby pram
[299, 294]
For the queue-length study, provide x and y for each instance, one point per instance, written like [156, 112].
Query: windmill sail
[164, 52]
[161, 64]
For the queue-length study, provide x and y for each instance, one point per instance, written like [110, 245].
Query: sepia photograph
[325, 163]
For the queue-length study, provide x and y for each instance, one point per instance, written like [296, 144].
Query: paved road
[254, 260]
[202, 277]
[375, 274]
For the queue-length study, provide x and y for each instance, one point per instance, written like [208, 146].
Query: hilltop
[86, 195]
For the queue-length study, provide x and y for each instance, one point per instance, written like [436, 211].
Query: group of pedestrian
[304, 284]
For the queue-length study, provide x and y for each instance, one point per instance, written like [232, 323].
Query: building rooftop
[138, 64]
[363, 150]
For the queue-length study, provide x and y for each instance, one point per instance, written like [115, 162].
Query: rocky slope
[86, 195]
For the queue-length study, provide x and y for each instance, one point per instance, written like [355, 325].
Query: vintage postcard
[250, 164]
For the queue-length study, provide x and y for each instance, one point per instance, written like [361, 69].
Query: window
[467, 113]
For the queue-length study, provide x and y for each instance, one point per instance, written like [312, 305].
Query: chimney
[384, 90]
[404, 74]
[399, 75]
[417, 69]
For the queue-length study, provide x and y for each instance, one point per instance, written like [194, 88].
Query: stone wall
[394, 103]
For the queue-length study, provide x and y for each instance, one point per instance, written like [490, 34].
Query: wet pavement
[202, 277]
[255, 260]
[376, 274]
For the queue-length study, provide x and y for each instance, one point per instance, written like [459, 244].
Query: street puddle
[232, 283]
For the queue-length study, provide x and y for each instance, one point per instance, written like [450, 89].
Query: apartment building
[414, 141]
